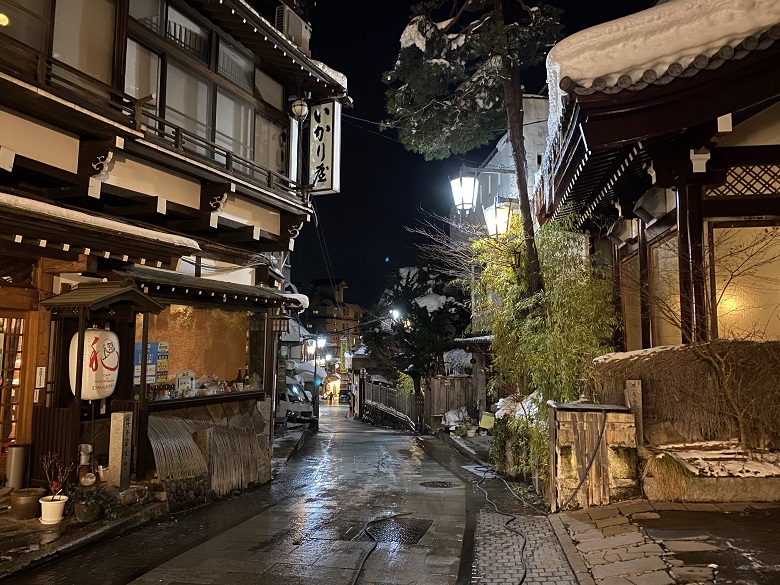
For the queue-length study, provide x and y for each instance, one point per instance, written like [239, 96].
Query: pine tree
[456, 84]
[430, 314]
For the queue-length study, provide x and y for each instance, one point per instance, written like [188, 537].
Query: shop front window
[196, 353]
[10, 376]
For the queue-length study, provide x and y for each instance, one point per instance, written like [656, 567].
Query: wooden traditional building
[149, 147]
[675, 158]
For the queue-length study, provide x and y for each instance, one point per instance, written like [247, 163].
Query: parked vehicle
[297, 406]
[344, 394]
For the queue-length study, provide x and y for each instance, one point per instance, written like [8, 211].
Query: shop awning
[96, 296]
[169, 287]
[32, 224]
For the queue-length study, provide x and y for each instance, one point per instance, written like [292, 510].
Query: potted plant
[92, 502]
[57, 475]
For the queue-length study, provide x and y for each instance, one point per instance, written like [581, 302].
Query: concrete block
[628, 508]
[646, 516]
[693, 574]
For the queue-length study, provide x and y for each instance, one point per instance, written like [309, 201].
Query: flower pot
[471, 432]
[87, 512]
[52, 508]
[24, 503]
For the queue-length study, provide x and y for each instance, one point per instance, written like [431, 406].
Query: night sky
[384, 187]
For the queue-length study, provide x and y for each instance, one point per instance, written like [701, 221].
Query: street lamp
[498, 216]
[299, 109]
[464, 191]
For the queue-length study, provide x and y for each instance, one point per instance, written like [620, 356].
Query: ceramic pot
[52, 509]
[86, 512]
[24, 503]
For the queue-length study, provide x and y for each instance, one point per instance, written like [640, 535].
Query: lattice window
[15, 271]
[749, 180]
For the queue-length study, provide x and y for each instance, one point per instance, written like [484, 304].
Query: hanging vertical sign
[325, 148]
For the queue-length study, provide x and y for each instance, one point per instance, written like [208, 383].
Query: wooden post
[632, 389]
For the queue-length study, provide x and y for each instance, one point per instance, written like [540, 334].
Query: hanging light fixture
[299, 109]
[497, 217]
[463, 191]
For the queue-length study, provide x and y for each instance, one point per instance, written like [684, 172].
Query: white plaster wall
[250, 213]
[143, 177]
[38, 141]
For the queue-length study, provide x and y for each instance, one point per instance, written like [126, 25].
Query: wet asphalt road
[300, 528]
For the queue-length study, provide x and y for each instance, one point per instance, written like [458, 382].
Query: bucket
[24, 503]
[52, 508]
[85, 454]
[16, 466]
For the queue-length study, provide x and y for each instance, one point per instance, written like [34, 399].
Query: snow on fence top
[674, 32]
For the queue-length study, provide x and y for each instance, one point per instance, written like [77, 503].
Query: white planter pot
[52, 509]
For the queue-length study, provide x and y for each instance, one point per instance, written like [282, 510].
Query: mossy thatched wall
[680, 385]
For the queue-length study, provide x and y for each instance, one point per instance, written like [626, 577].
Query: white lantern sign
[101, 363]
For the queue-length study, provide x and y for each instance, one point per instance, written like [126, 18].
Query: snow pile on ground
[673, 32]
[637, 353]
[723, 459]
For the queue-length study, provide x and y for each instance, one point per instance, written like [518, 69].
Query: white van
[295, 403]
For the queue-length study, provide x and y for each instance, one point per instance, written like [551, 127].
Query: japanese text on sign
[325, 148]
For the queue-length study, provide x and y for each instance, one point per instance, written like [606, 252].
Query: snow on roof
[676, 31]
[457, 360]
[337, 76]
[86, 219]
[302, 299]
[432, 302]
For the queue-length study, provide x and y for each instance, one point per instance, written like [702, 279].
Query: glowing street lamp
[463, 192]
[497, 217]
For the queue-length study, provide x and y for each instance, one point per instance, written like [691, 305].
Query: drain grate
[397, 530]
[439, 484]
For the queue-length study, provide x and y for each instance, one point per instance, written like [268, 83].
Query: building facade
[149, 146]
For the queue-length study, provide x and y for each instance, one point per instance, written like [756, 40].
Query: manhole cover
[439, 484]
[398, 530]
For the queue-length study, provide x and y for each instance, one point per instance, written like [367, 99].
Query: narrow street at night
[307, 526]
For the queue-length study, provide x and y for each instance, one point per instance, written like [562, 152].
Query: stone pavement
[25, 542]
[611, 546]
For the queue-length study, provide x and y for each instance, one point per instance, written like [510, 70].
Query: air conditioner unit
[294, 28]
[621, 231]
[654, 204]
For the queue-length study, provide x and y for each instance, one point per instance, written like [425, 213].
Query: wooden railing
[30, 65]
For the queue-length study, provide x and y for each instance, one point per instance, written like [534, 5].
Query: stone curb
[88, 535]
[460, 446]
[570, 550]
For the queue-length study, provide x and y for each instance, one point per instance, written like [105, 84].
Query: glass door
[10, 375]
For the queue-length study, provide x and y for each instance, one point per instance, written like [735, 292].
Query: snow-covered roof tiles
[658, 44]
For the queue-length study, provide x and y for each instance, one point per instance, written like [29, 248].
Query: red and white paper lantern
[101, 363]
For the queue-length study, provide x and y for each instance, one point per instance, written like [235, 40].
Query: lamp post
[300, 110]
